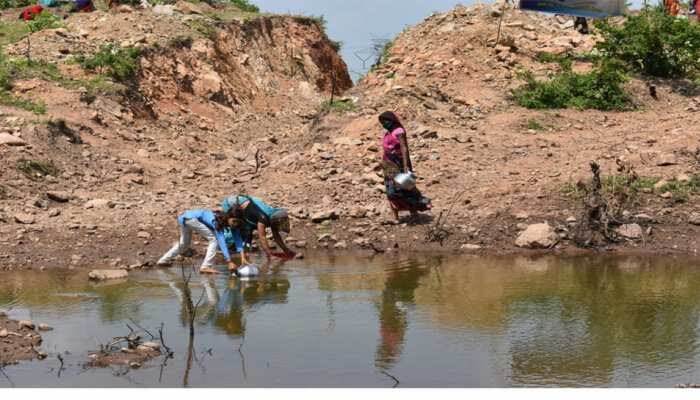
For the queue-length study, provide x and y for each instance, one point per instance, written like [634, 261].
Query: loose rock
[630, 231]
[537, 236]
[108, 274]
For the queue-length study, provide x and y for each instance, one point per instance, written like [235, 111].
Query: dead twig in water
[240, 352]
[142, 328]
[396, 381]
[168, 351]
[60, 367]
[191, 309]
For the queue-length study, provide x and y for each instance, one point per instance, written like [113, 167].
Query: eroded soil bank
[236, 106]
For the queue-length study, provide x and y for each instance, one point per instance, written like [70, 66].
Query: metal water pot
[248, 270]
[405, 181]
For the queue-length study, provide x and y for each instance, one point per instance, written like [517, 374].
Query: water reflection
[400, 284]
[528, 321]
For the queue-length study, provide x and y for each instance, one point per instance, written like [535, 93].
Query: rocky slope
[234, 106]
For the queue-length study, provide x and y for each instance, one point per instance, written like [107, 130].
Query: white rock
[24, 219]
[99, 203]
[107, 274]
[324, 215]
[630, 231]
[470, 247]
[26, 324]
[694, 218]
[537, 236]
[9, 140]
[666, 159]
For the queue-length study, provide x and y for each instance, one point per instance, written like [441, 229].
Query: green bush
[45, 20]
[119, 63]
[245, 5]
[15, 3]
[339, 106]
[5, 76]
[599, 89]
[654, 44]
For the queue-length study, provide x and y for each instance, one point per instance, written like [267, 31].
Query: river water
[428, 321]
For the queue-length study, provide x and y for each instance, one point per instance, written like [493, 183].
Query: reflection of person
[398, 291]
[245, 294]
[255, 214]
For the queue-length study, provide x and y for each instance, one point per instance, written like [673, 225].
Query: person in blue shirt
[211, 225]
[256, 215]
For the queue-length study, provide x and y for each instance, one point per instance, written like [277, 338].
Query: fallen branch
[438, 232]
[396, 381]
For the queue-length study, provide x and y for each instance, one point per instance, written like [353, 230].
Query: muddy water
[353, 322]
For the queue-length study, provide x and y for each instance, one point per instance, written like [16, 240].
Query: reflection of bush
[575, 317]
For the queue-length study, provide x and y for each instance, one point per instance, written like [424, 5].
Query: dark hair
[221, 219]
[391, 117]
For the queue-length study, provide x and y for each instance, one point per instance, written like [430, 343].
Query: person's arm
[238, 241]
[262, 240]
[280, 242]
[404, 151]
[221, 240]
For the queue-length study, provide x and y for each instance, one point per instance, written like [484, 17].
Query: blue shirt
[233, 238]
[206, 217]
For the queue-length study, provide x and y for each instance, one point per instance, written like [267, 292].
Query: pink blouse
[390, 143]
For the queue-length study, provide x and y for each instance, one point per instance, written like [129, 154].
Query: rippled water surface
[433, 321]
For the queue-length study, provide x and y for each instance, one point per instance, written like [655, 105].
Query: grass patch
[119, 63]
[535, 125]
[5, 4]
[34, 169]
[12, 32]
[339, 106]
[680, 191]
[246, 6]
[8, 99]
[613, 183]
[206, 29]
[599, 89]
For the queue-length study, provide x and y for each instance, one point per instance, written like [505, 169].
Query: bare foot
[207, 270]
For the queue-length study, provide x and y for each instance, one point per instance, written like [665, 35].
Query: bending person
[255, 214]
[211, 225]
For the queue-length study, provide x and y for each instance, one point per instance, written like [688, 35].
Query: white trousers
[186, 241]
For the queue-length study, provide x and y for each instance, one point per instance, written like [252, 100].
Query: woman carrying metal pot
[398, 170]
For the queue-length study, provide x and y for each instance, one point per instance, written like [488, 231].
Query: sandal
[207, 270]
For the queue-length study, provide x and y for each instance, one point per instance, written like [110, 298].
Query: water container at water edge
[248, 270]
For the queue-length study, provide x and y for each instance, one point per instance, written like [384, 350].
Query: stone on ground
[537, 236]
[107, 274]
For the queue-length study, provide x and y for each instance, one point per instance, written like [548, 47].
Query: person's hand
[232, 266]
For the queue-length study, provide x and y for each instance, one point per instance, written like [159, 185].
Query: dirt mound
[233, 104]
